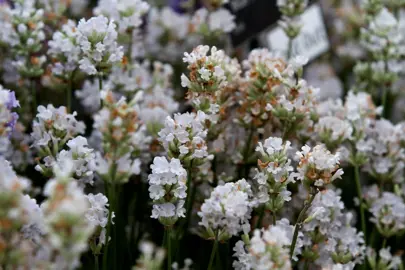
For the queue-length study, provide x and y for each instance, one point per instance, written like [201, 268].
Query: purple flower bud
[13, 102]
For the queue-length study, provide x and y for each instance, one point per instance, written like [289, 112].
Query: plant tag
[311, 42]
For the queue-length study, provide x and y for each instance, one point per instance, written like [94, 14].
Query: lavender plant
[133, 135]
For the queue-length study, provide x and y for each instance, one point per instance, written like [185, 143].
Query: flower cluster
[98, 215]
[8, 118]
[20, 218]
[329, 239]
[167, 33]
[267, 249]
[154, 79]
[291, 11]
[333, 131]
[213, 23]
[152, 257]
[350, 121]
[52, 129]
[97, 38]
[274, 174]
[89, 96]
[64, 49]
[273, 93]
[227, 211]
[383, 39]
[118, 125]
[183, 137]
[126, 13]
[136, 115]
[64, 209]
[18, 151]
[82, 158]
[27, 38]
[382, 146]
[384, 259]
[209, 77]
[388, 214]
[167, 190]
[318, 166]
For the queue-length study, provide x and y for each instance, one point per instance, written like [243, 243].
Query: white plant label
[312, 40]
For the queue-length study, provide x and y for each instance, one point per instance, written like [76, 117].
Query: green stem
[213, 252]
[34, 97]
[259, 221]
[384, 101]
[273, 214]
[70, 91]
[218, 258]
[289, 52]
[164, 238]
[96, 267]
[107, 235]
[190, 205]
[169, 249]
[111, 199]
[360, 196]
[298, 224]
[69, 97]
[100, 82]
[286, 131]
[245, 154]
[129, 53]
[372, 237]
[114, 228]
[306, 265]
[384, 243]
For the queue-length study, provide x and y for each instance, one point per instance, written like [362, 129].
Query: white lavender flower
[209, 76]
[276, 92]
[186, 266]
[158, 96]
[333, 131]
[167, 190]
[97, 38]
[382, 146]
[82, 157]
[22, 223]
[227, 211]
[215, 23]
[8, 118]
[329, 238]
[126, 13]
[383, 40]
[99, 216]
[19, 152]
[291, 11]
[382, 31]
[19, 209]
[384, 260]
[210, 73]
[151, 257]
[388, 214]
[89, 96]
[318, 166]
[183, 137]
[274, 174]
[122, 134]
[359, 106]
[27, 38]
[65, 50]
[267, 249]
[66, 205]
[166, 34]
[52, 129]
